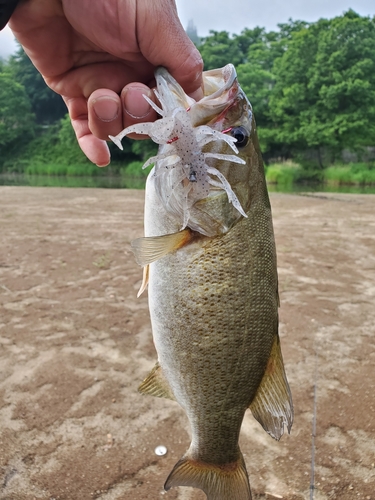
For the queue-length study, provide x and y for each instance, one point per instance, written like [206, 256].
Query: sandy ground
[75, 343]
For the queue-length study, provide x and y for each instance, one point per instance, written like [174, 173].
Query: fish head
[208, 169]
[226, 109]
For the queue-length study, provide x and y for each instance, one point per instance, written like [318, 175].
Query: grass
[133, 169]
[283, 174]
[58, 169]
[356, 174]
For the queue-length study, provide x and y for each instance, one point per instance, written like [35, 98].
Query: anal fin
[219, 482]
[152, 248]
[155, 384]
[272, 405]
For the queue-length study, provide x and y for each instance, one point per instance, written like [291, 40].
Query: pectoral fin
[149, 249]
[155, 384]
[272, 405]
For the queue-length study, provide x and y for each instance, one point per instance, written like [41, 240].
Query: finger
[104, 113]
[136, 108]
[171, 47]
[84, 80]
[94, 148]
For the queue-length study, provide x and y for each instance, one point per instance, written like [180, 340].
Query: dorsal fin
[155, 384]
[272, 405]
[149, 249]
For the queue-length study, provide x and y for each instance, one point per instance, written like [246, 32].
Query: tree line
[311, 85]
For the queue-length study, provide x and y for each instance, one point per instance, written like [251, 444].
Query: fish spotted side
[209, 261]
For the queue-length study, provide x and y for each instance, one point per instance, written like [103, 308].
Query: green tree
[144, 149]
[344, 83]
[16, 118]
[257, 79]
[286, 30]
[257, 83]
[66, 148]
[254, 53]
[249, 37]
[324, 96]
[47, 106]
[219, 49]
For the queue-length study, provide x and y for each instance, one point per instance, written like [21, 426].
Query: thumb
[163, 42]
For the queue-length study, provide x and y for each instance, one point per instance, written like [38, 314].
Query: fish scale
[214, 343]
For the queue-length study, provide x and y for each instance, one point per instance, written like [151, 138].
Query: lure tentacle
[182, 174]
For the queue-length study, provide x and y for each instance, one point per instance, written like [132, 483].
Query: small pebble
[160, 450]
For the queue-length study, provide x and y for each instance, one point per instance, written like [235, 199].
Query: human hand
[100, 57]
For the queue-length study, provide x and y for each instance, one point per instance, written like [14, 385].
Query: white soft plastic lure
[182, 169]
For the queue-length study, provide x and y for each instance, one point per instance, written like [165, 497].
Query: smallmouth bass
[209, 261]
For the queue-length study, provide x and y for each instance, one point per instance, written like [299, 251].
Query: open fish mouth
[194, 140]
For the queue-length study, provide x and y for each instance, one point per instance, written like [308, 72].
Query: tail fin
[219, 482]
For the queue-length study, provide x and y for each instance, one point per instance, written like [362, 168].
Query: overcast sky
[235, 16]
[225, 15]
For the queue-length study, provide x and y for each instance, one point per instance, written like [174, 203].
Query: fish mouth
[195, 149]
[215, 81]
[221, 91]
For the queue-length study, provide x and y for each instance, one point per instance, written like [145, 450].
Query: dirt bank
[75, 343]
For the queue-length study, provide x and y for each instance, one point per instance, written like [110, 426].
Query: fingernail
[106, 108]
[135, 104]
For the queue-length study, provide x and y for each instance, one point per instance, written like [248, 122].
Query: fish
[209, 261]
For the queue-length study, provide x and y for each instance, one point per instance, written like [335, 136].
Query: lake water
[139, 183]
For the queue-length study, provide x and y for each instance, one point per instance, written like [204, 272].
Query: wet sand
[75, 343]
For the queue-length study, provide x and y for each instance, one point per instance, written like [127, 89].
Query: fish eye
[242, 136]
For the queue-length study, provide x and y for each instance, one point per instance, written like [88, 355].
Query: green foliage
[55, 144]
[50, 152]
[47, 106]
[60, 169]
[144, 149]
[66, 148]
[254, 52]
[311, 85]
[134, 169]
[16, 118]
[355, 173]
[249, 38]
[324, 94]
[123, 155]
[284, 175]
[219, 48]
[257, 84]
